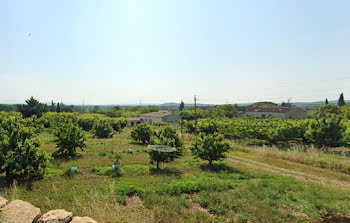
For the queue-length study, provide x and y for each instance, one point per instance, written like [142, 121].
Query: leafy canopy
[210, 147]
[69, 137]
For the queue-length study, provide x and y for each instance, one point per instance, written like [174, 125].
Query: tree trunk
[158, 165]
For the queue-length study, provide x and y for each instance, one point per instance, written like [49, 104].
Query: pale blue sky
[116, 52]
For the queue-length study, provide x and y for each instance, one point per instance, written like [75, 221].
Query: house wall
[296, 113]
[173, 119]
[149, 120]
[267, 114]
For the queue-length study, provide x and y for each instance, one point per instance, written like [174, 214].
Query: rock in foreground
[56, 216]
[83, 220]
[18, 211]
[3, 202]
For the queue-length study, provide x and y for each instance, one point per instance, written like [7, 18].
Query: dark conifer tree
[58, 109]
[326, 103]
[341, 100]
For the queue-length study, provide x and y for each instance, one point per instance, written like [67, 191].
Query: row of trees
[328, 126]
[208, 147]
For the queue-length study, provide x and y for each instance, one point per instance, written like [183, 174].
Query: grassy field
[254, 184]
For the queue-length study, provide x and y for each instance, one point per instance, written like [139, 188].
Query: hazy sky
[116, 52]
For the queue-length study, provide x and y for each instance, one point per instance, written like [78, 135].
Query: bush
[141, 133]
[326, 128]
[115, 157]
[69, 172]
[211, 147]
[102, 128]
[19, 151]
[69, 137]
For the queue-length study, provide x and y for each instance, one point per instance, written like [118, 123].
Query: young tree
[69, 137]
[182, 106]
[161, 154]
[168, 137]
[32, 107]
[326, 103]
[19, 151]
[115, 157]
[210, 148]
[141, 133]
[102, 128]
[341, 101]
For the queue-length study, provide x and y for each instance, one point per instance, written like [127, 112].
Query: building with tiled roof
[277, 112]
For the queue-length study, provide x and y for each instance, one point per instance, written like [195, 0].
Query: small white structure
[277, 112]
[161, 116]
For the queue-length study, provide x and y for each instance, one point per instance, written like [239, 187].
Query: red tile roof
[271, 109]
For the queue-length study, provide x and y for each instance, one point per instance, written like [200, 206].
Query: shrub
[69, 137]
[326, 129]
[69, 172]
[102, 128]
[210, 147]
[19, 151]
[141, 133]
[115, 157]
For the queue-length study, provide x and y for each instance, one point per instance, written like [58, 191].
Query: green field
[253, 184]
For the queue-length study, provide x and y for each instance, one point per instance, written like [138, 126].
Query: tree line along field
[270, 170]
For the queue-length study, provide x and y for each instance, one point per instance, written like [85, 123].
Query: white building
[161, 116]
[277, 112]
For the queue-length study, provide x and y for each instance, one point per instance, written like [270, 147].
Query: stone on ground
[83, 220]
[18, 211]
[3, 202]
[56, 216]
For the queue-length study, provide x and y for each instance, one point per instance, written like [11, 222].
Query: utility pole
[195, 114]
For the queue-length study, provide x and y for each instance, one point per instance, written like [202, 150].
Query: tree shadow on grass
[28, 183]
[219, 167]
[166, 171]
[58, 159]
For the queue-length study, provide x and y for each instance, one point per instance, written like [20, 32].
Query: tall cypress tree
[58, 109]
[326, 103]
[341, 100]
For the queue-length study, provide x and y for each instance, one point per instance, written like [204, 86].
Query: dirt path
[291, 173]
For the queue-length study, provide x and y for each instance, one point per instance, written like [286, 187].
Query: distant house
[133, 121]
[161, 116]
[277, 112]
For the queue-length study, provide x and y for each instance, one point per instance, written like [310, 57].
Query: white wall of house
[173, 119]
[295, 113]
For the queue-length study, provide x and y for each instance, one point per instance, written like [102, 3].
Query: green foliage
[115, 157]
[70, 173]
[326, 128]
[167, 136]
[210, 148]
[141, 133]
[19, 151]
[107, 171]
[69, 137]
[32, 107]
[102, 128]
